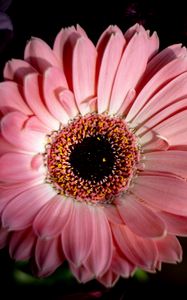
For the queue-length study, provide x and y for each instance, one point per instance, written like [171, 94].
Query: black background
[44, 19]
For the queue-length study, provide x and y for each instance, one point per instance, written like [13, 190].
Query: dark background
[44, 19]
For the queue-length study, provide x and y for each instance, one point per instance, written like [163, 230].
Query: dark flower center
[92, 159]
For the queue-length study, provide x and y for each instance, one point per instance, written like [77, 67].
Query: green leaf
[141, 275]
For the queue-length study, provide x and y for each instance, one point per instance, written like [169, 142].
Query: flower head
[93, 161]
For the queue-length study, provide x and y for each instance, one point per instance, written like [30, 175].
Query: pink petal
[141, 252]
[159, 265]
[152, 41]
[129, 72]
[62, 40]
[21, 211]
[58, 83]
[162, 59]
[102, 43]
[11, 98]
[37, 162]
[21, 244]
[17, 69]
[34, 124]
[127, 102]
[154, 142]
[173, 129]
[109, 63]
[48, 256]
[153, 44]
[165, 193]
[82, 274]
[112, 214]
[4, 234]
[77, 238]
[132, 30]
[105, 37]
[161, 78]
[174, 90]
[171, 161]
[59, 100]
[52, 218]
[169, 249]
[10, 191]
[63, 48]
[14, 131]
[100, 256]
[92, 104]
[165, 113]
[109, 279]
[175, 224]
[121, 265]
[17, 167]
[54, 82]
[40, 55]
[83, 72]
[32, 86]
[6, 195]
[67, 100]
[140, 219]
[5, 146]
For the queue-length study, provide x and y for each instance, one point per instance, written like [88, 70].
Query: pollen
[92, 159]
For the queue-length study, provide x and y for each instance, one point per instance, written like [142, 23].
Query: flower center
[93, 158]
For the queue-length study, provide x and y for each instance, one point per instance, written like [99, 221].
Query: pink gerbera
[93, 162]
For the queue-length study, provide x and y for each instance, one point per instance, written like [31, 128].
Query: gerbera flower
[93, 159]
